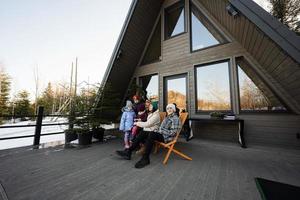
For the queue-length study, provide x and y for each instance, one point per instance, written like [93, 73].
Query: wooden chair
[170, 145]
[162, 116]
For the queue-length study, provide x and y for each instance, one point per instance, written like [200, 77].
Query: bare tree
[287, 12]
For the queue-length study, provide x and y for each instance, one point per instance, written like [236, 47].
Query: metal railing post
[38, 127]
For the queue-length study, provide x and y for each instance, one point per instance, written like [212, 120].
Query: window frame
[165, 92]
[173, 6]
[196, 66]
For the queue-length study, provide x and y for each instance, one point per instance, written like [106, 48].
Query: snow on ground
[12, 132]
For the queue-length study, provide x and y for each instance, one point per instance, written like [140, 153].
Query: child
[141, 117]
[126, 123]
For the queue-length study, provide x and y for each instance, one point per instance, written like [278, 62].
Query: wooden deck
[218, 171]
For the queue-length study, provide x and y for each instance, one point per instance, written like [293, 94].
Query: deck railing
[38, 126]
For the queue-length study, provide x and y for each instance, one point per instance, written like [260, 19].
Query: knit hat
[155, 105]
[171, 106]
[128, 104]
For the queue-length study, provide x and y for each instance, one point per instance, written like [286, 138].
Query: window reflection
[254, 94]
[176, 92]
[150, 86]
[174, 20]
[153, 51]
[213, 88]
[203, 33]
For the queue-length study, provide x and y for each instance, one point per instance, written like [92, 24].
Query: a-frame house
[214, 55]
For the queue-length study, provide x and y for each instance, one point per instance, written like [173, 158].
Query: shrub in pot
[84, 136]
[97, 130]
[98, 133]
[70, 135]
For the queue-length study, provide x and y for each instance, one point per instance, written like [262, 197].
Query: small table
[239, 121]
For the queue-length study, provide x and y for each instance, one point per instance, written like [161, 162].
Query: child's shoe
[126, 154]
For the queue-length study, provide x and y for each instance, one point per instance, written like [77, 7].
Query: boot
[142, 163]
[126, 154]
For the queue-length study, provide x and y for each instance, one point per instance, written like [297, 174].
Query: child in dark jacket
[126, 123]
[141, 117]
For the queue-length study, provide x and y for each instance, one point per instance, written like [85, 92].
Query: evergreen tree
[22, 104]
[287, 12]
[5, 83]
[47, 99]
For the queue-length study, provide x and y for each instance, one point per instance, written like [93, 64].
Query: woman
[166, 133]
[151, 124]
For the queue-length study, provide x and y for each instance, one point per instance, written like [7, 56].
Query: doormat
[272, 190]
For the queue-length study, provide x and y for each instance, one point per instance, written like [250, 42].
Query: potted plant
[217, 115]
[70, 135]
[97, 130]
[84, 135]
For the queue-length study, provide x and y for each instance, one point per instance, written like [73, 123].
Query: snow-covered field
[46, 140]
[12, 132]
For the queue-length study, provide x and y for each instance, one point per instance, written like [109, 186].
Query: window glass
[174, 20]
[176, 91]
[255, 97]
[150, 86]
[202, 31]
[153, 51]
[213, 88]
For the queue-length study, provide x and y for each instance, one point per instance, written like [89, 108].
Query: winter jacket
[152, 123]
[169, 127]
[142, 115]
[127, 119]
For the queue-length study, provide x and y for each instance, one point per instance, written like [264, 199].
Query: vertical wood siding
[247, 41]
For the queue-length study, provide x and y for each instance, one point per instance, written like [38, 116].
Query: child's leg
[127, 139]
[131, 136]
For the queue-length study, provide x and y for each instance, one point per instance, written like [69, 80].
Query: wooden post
[38, 127]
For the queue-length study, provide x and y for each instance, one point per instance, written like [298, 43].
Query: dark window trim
[256, 111]
[175, 35]
[176, 5]
[191, 37]
[196, 89]
[204, 48]
[170, 77]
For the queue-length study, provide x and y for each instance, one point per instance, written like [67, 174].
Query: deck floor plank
[219, 170]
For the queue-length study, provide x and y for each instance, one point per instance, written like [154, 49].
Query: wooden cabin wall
[274, 129]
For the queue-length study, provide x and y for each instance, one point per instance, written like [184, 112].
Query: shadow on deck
[218, 171]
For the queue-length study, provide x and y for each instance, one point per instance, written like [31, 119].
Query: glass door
[175, 91]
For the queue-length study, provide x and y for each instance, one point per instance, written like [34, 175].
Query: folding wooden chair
[162, 116]
[170, 145]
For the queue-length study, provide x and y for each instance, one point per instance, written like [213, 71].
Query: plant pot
[85, 138]
[98, 133]
[70, 136]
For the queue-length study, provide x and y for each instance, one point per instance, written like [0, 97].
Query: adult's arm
[155, 119]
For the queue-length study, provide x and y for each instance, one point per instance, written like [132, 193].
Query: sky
[49, 35]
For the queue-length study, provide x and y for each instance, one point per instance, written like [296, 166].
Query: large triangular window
[254, 94]
[153, 51]
[174, 20]
[203, 34]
